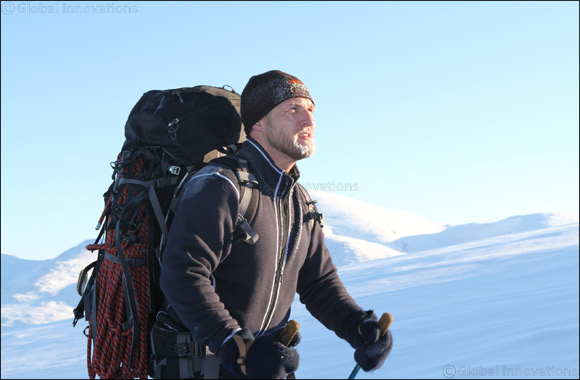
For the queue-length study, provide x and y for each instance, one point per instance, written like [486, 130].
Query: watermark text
[63, 7]
[331, 186]
[503, 371]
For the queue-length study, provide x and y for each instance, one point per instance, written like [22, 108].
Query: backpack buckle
[175, 170]
[249, 234]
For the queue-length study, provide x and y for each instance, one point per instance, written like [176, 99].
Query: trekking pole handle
[285, 337]
[289, 332]
[384, 324]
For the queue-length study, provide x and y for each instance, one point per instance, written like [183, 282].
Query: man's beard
[302, 150]
[293, 148]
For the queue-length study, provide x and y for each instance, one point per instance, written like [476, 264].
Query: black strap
[132, 315]
[248, 179]
[249, 198]
[152, 185]
[312, 213]
[132, 262]
[132, 312]
[171, 211]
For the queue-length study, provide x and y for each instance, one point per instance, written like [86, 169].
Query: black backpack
[169, 135]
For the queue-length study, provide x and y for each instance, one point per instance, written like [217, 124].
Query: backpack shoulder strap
[249, 197]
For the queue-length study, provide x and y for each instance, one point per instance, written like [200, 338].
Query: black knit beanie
[265, 91]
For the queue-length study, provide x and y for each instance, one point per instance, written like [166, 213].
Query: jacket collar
[266, 170]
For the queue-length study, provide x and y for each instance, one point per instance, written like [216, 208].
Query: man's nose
[307, 119]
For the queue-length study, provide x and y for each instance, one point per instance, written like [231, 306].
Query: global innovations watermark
[331, 186]
[504, 371]
[63, 7]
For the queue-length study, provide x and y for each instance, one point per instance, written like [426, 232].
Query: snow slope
[495, 300]
[37, 292]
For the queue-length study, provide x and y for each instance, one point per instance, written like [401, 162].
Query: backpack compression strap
[152, 185]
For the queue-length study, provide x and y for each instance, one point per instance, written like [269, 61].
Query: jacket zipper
[284, 213]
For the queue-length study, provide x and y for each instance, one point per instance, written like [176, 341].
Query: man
[235, 299]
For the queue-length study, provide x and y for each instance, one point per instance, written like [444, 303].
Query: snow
[494, 300]
[44, 290]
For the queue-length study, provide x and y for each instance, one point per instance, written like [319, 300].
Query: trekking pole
[384, 323]
[286, 336]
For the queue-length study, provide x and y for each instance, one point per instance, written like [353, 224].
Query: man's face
[289, 128]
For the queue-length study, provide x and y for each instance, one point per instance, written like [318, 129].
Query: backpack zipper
[173, 125]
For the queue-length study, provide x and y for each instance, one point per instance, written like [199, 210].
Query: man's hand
[362, 331]
[262, 358]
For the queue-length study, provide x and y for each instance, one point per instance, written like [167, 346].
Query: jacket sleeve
[321, 289]
[199, 239]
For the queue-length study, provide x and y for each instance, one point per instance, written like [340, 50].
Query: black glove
[266, 357]
[361, 330]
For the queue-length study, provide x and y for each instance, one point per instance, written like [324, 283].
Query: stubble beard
[289, 145]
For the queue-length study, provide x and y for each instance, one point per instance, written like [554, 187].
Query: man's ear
[259, 126]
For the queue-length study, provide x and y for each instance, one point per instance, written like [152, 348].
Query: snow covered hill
[37, 292]
[357, 231]
[477, 300]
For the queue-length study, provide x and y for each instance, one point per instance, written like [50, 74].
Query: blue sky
[458, 112]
